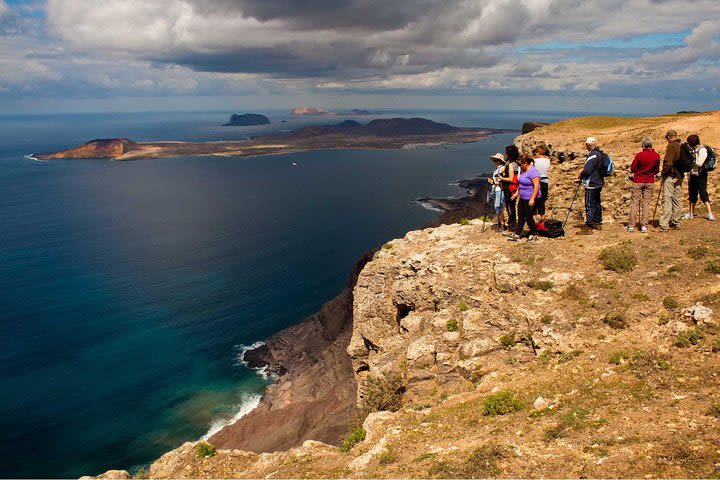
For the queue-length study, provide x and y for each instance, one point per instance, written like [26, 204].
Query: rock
[363, 461]
[540, 404]
[528, 127]
[700, 314]
[115, 474]
[247, 119]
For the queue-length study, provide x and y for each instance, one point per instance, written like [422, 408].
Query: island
[319, 112]
[386, 133]
[246, 120]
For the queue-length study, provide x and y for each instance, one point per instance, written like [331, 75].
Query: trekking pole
[657, 201]
[570, 209]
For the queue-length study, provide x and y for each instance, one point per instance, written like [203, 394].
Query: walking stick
[570, 209]
[657, 201]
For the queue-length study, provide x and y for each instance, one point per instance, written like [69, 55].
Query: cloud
[3, 8]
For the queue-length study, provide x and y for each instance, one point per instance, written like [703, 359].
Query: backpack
[606, 167]
[711, 160]
[550, 228]
[687, 159]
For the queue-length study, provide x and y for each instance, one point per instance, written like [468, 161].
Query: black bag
[552, 229]
[687, 159]
[711, 160]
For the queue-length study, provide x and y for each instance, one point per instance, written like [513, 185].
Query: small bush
[671, 303]
[464, 221]
[699, 251]
[618, 357]
[205, 449]
[714, 410]
[387, 246]
[462, 306]
[641, 296]
[501, 403]
[673, 269]
[387, 457]
[543, 285]
[545, 357]
[424, 456]
[616, 320]
[716, 346]
[452, 325]
[354, 436]
[546, 319]
[508, 340]
[382, 393]
[618, 259]
[481, 463]
[691, 337]
[713, 267]
[419, 406]
[567, 356]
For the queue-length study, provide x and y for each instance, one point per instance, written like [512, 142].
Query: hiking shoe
[664, 229]
[688, 216]
[643, 229]
[598, 227]
[585, 230]
[513, 237]
[532, 238]
[675, 226]
[711, 217]
[630, 228]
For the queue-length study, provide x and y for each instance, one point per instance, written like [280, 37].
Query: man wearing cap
[672, 180]
[593, 183]
[497, 190]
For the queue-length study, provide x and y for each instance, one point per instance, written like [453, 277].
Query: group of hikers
[519, 186]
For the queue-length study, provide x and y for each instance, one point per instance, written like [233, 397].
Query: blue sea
[128, 289]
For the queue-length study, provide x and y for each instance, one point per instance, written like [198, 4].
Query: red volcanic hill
[98, 148]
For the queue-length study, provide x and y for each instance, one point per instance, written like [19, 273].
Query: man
[672, 180]
[593, 183]
[496, 188]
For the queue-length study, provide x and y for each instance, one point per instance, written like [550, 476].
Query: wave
[31, 157]
[240, 360]
[430, 206]
[249, 402]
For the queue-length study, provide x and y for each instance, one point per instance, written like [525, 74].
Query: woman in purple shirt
[528, 191]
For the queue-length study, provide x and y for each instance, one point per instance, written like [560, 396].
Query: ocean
[128, 289]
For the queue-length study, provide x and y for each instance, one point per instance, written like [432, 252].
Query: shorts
[499, 199]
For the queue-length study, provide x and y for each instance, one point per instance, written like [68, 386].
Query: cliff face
[582, 356]
[100, 148]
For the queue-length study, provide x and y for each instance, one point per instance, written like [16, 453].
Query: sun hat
[591, 141]
[498, 157]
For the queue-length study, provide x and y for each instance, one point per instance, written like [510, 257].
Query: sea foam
[249, 402]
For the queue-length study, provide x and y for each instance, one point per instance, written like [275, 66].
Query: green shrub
[354, 436]
[205, 449]
[716, 346]
[452, 325]
[713, 267]
[387, 457]
[619, 258]
[419, 406]
[567, 356]
[699, 251]
[382, 393]
[480, 463]
[616, 320]
[424, 456]
[508, 340]
[641, 296]
[691, 337]
[543, 285]
[671, 303]
[714, 410]
[546, 319]
[501, 403]
[462, 306]
[464, 221]
[618, 357]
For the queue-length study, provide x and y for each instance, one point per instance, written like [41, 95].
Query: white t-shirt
[542, 165]
[700, 157]
[496, 177]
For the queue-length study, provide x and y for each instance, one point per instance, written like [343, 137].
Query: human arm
[511, 173]
[590, 166]
[634, 165]
[672, 153]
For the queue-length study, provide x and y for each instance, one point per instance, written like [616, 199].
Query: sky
[619, 56]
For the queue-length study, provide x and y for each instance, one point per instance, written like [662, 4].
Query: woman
[509, 182]
[528, 192]
[645, 166]
[697, 182]
[542, 165]
[497, 189]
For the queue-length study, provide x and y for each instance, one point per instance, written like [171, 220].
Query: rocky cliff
[247, 119]
[464, 355]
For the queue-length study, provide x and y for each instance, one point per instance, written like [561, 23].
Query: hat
[591, 141]
[671, 134]
[499, 157]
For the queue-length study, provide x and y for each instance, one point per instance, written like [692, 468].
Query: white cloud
[3, 8]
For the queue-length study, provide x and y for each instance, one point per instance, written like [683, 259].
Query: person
[509, 182]
[542, 165]
[697, 179]
[527, 194]
[645, 167]
[497, 189]
[672, 180]
[593, 183]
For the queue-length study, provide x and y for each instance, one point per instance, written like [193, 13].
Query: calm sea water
[128, 288]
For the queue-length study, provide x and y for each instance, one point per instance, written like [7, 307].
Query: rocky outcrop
[99, 148]
[528, 127]
[247, 119]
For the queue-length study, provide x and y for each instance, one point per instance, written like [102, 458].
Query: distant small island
[319, 112]
[247, 119]
[381, 133]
